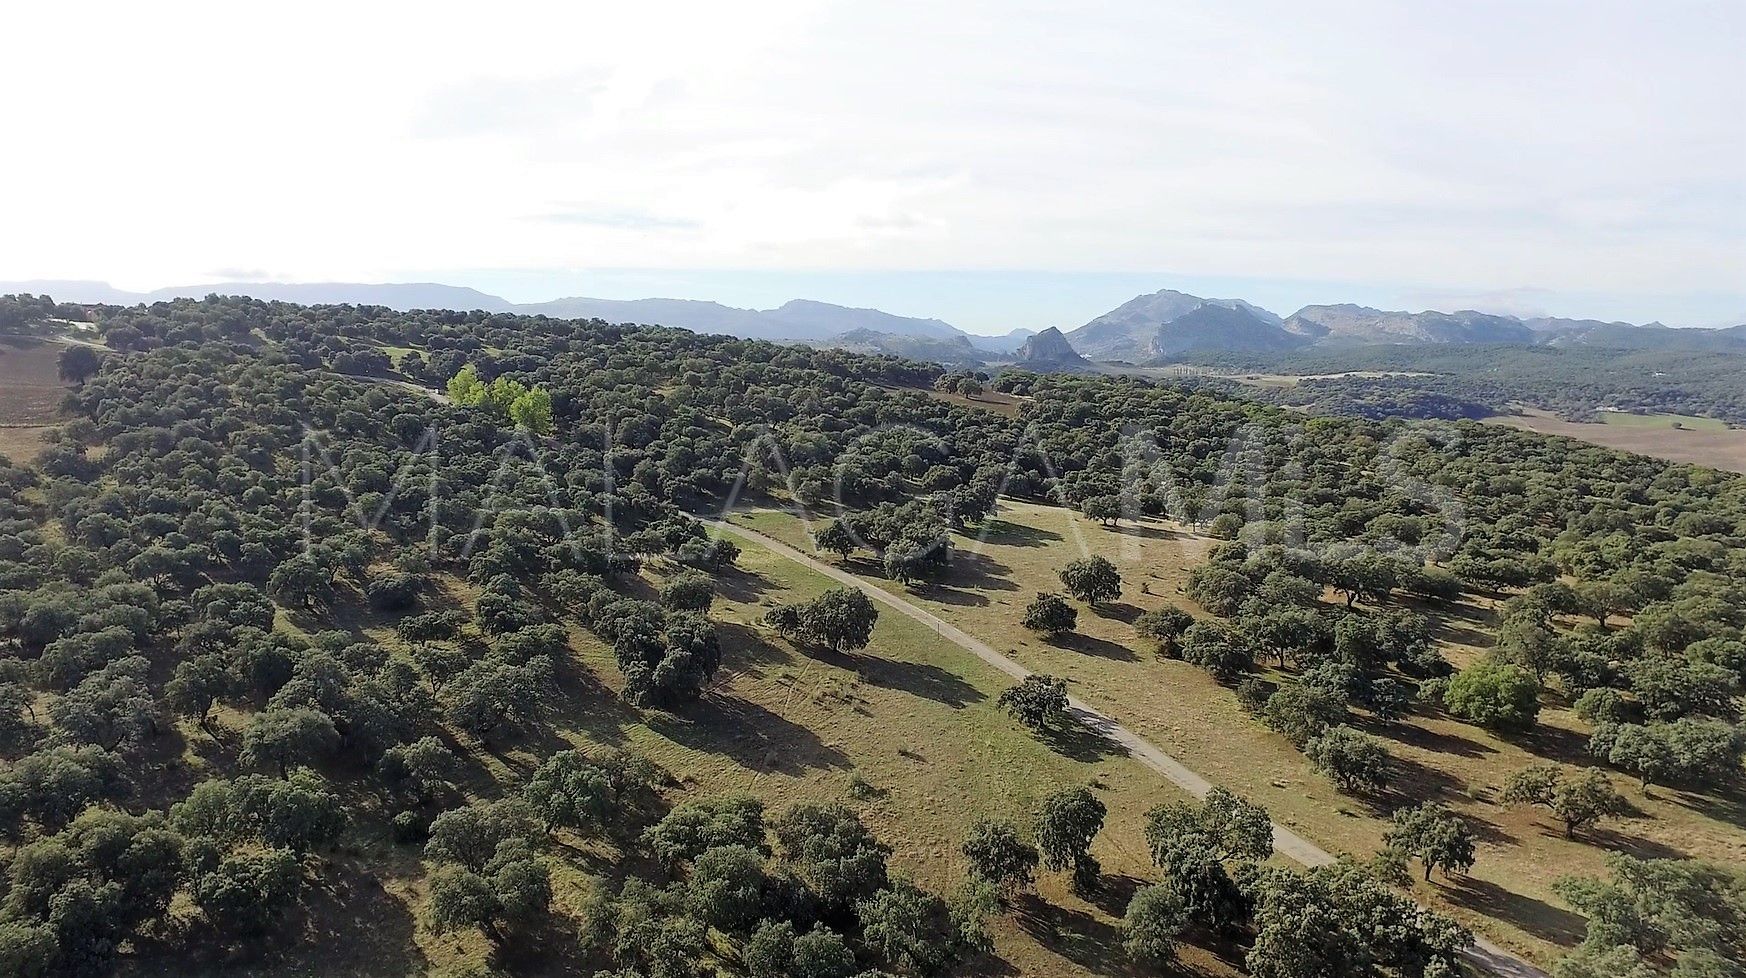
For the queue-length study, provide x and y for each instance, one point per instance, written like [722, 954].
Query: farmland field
[1700, 441]
[30, 384]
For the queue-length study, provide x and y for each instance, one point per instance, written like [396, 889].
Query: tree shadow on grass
[1148, 531]
[1088, 645]
[1009, 534]
[946, 594]
[1414, 783]
[1080, 740]
[1093, 944]
[1119, 610]
[346, 924]
[748, 733]
[1413, 735]
[1631, 845]
[1556, 744]
[1454, 633]
[980, 572]
[1728, 804]
[919, 679]
[1535, 916]
[743, 645]
[1114, 892]
[743, 586]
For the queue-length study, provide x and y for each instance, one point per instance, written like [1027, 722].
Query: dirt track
[1483, 954]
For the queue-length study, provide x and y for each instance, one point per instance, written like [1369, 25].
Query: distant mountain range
[1147, 329]
[1154, 328]
[800, 320]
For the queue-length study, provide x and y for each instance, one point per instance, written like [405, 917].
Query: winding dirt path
[1483, 954]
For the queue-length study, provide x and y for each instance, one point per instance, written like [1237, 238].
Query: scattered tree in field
[1066, 823]
[420, 768]
[823, 953]
[838, 538]
[1165, 627]
[1104, 509]
[569, 792]
[1155, 918]
[1050, 614]
[1302, 711]
[1356, 762]
[1684, 751]
[834, 852]
[1435, 836]
[510, 892]
[1197, 845]
[1218, 588]
[503, 398]
[1217, 649]
[1093, 580]
[769, 953]
[77, 363]
[1000, 857]
[1340, 920]
[841, 620]
[1578, 802]
[471, 835]
[915, 931]
[1038, 701]
[243, 894]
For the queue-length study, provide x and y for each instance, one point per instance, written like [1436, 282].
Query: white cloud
[1474, 147]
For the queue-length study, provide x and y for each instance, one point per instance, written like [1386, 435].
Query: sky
[994, 164]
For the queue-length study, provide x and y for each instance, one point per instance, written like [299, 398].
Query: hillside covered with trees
[202, 737]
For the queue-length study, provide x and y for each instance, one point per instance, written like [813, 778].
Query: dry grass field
[30, 383]
[1182, 710]
[30, 395]
[23, 443]
[1655, 436]
[1005, 405]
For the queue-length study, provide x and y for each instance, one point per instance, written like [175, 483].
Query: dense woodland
[237, 470]
[1573, 381]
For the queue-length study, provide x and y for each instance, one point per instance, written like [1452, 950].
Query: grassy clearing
[1183, 711]
[1627, 419]
[1005, 405]
[1714, 445]
[397, 353]
[30, 382]
[911, 719]
[23, 443]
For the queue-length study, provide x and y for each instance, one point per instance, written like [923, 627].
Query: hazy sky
[1583, 158]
